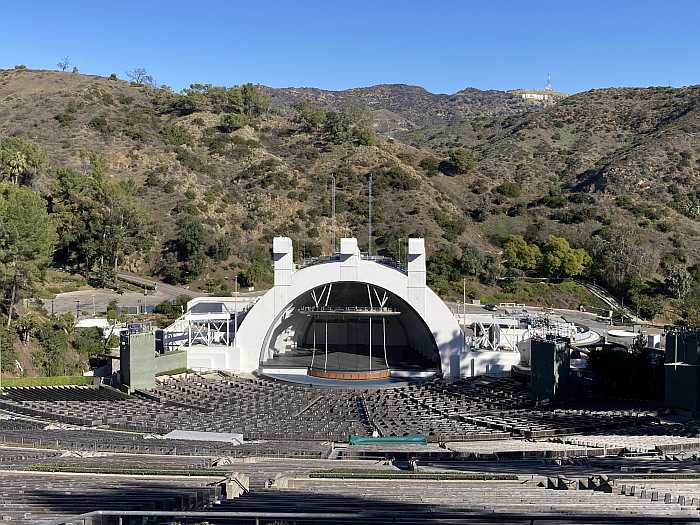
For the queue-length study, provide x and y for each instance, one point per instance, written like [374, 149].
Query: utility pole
[464, 296]
[464, 307]
[369, 220]
[235, 308]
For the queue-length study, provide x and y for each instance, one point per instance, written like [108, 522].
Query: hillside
[613, 171]
[399, 107]
[630, 156]
[246, 185]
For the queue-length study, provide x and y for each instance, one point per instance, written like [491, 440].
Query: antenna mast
[333, 212]
[369, 221]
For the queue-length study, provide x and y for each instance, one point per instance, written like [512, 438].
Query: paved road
[97, 299]
[159, 286]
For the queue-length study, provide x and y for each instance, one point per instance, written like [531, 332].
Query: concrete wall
[212, 358]
[137, 357]
[170, 361]
[140, 364]
[488, 363]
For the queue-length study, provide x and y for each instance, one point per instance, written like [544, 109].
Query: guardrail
[415, 516]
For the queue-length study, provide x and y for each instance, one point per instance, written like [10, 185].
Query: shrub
[220, 250]
[65, 119]
[233, 121]
[176, 135]
[459, 161]
[100, 124]
[664, 226]
[430, 165]
[452, 226]
[365, 136]
[508, 189]
[395, 178]
[193, 162]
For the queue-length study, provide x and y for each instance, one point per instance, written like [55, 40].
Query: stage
[300, 376]
[352, 359]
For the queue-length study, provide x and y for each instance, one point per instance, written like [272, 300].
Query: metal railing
[379, 259]
[378, 309]
[414, 516]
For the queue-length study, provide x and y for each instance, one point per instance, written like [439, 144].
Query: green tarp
[412, 439]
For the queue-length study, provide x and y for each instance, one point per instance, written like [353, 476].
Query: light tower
[548, 85]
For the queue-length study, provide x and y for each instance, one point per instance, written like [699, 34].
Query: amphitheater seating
[545, 423]
[107, 441]
[40, 498]
[476, 409]
[436, 499]
[467, 423]
[514, 448]
[662, 438]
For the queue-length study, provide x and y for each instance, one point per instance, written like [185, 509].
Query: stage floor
[352, 359]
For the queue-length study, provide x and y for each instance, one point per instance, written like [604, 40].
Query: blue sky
[441, 45]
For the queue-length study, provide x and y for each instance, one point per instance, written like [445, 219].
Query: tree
[100, 223]
[351, 124]
[678, 280]
[21, 160]
[472, 260]
[24, 326]
[7, 346]
[27, 239]
[691, 311]
[458, 161]
[54, 341]
[64, 63]
[139, 75]
[88, 342]
[647, 306]
[255, 102]
[560, 260]
[191, 246]
[520, 255]
[310, 116]
[619, 257]
[170, 268]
